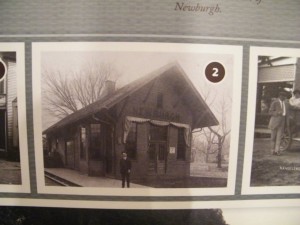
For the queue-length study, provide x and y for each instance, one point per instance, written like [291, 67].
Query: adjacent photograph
[13, 133]
[273, 126]
[136, 118]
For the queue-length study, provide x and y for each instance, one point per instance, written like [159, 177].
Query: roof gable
[197, 104]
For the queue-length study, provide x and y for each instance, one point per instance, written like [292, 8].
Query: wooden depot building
[151, 119]
[9, 131]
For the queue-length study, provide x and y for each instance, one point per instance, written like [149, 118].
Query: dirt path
[10, 172]
[271, 170]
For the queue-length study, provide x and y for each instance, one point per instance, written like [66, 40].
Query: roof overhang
[202, 115]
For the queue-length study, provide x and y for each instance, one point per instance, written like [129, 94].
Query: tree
[221, 131]
[216, 136]
[67, 93]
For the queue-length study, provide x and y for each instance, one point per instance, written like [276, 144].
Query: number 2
[215, 72]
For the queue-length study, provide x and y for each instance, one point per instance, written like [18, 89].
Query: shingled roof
[206, 117]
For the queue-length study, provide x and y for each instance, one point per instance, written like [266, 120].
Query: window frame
[181, 145]
[95, 155]
[83, 144]
[132, 152]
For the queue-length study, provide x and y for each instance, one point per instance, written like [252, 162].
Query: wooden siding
[276, 73]
[147, 98]
[11, 95]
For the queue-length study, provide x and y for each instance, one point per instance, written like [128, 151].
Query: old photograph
[273, 145]
[13, 148]
[151, 118]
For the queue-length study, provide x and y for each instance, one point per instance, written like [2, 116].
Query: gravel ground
[271, 170]
[10, 172]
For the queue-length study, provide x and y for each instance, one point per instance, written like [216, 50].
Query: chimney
[109, 88]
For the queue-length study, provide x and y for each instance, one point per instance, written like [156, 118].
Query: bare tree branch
[67, 93]
[215, 137]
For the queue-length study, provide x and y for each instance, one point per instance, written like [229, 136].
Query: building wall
[142, 103]
[145, 100]
[140, 164]
[177, 167]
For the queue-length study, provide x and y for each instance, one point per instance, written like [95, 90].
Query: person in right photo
[278, 111]
[295, 100]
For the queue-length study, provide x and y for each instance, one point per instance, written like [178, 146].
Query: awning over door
[129, 120]
[276, 73]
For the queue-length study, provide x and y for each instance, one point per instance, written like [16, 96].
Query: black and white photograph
[273, 145]
[136, 118]
[13, 148]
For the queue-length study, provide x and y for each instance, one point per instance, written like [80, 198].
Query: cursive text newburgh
[210, 10]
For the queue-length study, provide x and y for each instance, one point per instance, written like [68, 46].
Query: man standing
[295, 100]
[278, 112]
[125, 168]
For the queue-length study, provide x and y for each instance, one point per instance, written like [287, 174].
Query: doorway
[158, 150]
[108, 150]
[70, 154]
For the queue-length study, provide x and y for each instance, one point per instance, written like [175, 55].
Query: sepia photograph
[13, 146]
[151, 118]
[274, 133]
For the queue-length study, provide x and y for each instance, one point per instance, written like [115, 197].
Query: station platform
[68, 177]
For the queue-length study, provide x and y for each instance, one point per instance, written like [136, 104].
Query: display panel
[168, 106]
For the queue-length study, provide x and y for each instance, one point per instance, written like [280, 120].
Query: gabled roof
[206, 117]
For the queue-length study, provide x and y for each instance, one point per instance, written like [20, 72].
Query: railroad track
[60, 181]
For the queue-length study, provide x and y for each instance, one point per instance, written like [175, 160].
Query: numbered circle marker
[3, 69]
[215, 72]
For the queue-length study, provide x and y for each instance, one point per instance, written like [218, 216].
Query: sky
[133, 65]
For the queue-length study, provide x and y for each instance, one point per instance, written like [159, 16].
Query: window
[82, 143]
[70, 154]
[160, 100]
[96, 141]
[131, 142]
[158, 133]
[181, 147]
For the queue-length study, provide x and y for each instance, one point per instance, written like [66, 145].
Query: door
[70, 154]
[109, 150]
[158, 150]
[157, 158]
